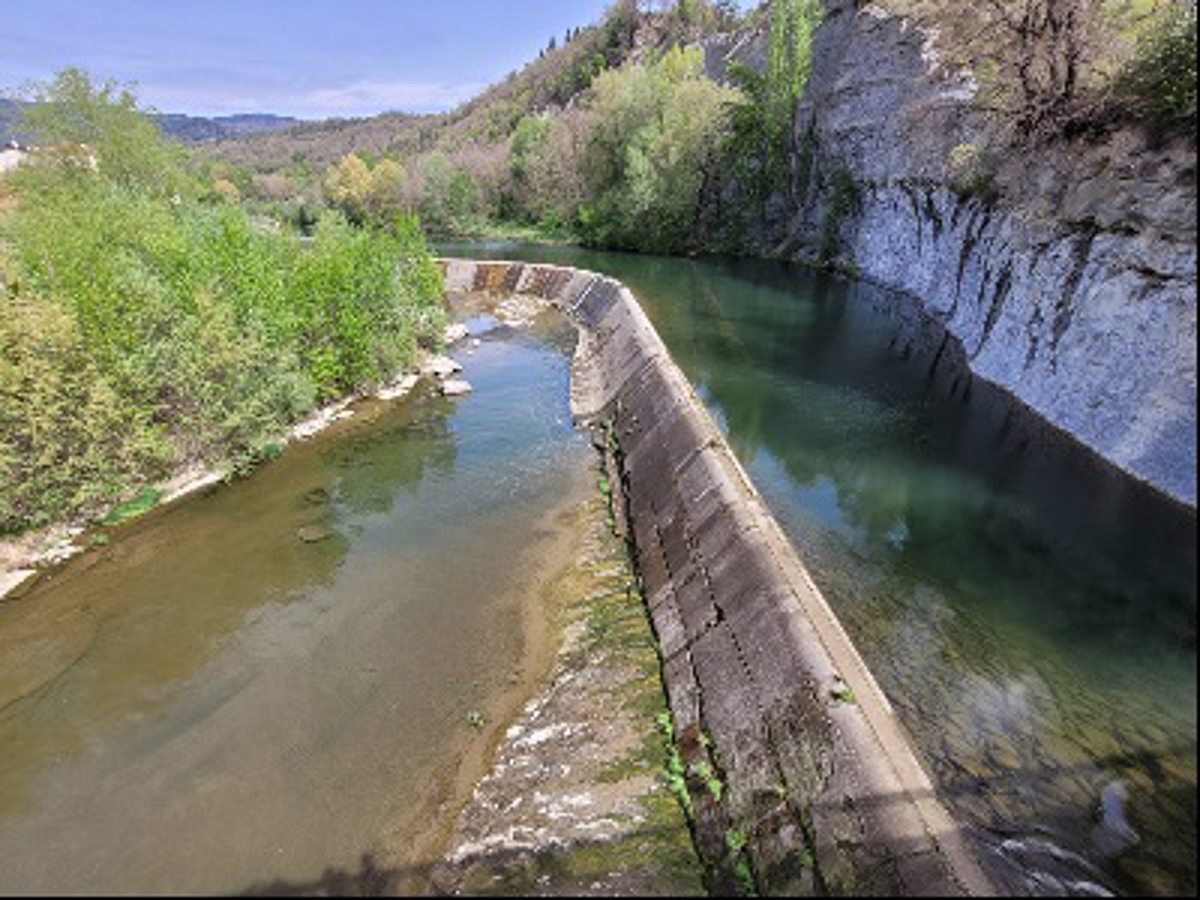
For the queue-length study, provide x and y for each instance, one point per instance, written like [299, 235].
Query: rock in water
[455, 386]
[441, 366]
[397, 388]
[454, 332]
[318, 496]
[1113, 835]
[310, 534]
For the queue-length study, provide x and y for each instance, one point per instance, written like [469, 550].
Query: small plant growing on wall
[844, 199]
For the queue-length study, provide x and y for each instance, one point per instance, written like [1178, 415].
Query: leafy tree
[129, 147]
[789, 44]
[651, 149]
[363, 193]
[1161, 76]
[226, 190]
[530, 135]
[450, 197]
[726, 13]
[762, 133]
[348, 185]
[143, 328]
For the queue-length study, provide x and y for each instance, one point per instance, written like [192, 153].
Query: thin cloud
[370, 97]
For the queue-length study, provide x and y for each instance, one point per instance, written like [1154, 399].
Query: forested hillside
[623, 117]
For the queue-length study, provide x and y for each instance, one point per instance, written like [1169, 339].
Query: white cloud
[359, 98]
[370, 97]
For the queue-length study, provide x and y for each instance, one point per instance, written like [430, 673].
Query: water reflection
[1030, 611]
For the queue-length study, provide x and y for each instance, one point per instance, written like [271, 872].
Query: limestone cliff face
[1074, 287]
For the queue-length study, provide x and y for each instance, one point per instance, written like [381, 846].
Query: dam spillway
[764, 685]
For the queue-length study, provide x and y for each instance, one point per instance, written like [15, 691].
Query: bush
[971, 172]
[1162, 75]
[68, 440]
[653, 139]
[360, 313]
[140, 331]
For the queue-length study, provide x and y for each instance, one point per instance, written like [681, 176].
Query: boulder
[310, 534]
[397, 388]
[454, 333]
[441, 366]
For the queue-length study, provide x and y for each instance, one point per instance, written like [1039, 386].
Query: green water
[211, 704]
[1030, 612]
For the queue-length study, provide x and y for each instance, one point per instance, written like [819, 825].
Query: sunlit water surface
[211, 704]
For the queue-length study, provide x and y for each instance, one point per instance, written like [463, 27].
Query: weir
[794, 756]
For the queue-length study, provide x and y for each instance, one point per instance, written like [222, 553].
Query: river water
[210, 704]
[1029, 610]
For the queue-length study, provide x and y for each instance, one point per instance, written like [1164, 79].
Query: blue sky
[292, 57]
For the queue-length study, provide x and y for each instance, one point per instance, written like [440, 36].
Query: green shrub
[363, 299]
[1162, 74]
[143, 330]
[971, 172]
[654, 132]
[68, 440]
[842, 200]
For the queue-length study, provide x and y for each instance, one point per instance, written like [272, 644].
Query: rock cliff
[1068, 273]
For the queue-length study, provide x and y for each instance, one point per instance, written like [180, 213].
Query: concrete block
[694, 602]
[683, 693]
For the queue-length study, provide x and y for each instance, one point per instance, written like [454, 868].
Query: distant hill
[175, 125]
[203, 128]
[550, 82]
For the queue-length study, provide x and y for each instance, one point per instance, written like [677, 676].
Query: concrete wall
[766, 689]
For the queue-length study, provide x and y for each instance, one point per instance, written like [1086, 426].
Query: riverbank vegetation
[147, 323]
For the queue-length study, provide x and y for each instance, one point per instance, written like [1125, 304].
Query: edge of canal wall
[799, 776]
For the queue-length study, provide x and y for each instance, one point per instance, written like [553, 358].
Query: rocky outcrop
[799, 774]
[1068, 273]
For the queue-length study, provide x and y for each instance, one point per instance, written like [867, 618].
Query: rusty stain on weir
[821, 787]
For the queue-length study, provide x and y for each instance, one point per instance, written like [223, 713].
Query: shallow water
[210, 704]
[1029, 610]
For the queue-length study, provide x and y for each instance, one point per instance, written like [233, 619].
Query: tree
[226, 190]
[348, 185]
[651, 148]
[366, 194]
[1044, 64]
[128, 146]
[789, 44]
[1049, 39]
[726, 13]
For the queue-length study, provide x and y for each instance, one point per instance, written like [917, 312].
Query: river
[1029, 610]
[208, 703]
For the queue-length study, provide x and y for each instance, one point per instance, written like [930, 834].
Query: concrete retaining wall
[796, 764]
